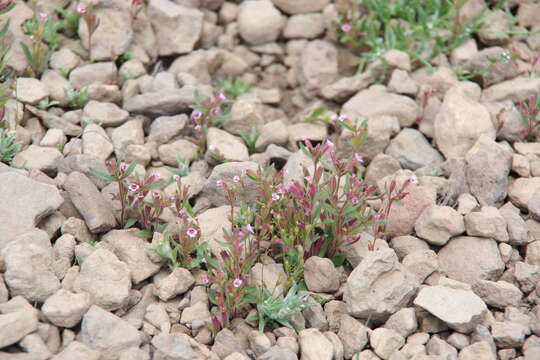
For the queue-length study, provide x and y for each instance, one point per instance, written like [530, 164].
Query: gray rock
[421, 263]
[177, 27]
[246, 114]
[158, 317]
[170, 285]
[107, 333]
[469, 259]
[487, 223]
[100, 72]
[437, 224]
[105, 114]
[522, 190]
[314, 345]
[301, 6]
[498, 294]
[96, 142]
[353, 335]
[460, 309]
[517, 90]
[279, 353]
[179, 346]
[229, 146]
[130, 133]
[185, 149]
[477, 351]
[30, 90]
[377, 101]
[15, 326]
[28, 263]
[90, 203]
[105, 278]
[321, 275]
[379, 286]
[23, 203]
[40, 158]
[65, 308]
[304, 26]
[385, 342]
[77, 350]
[460, 122]
[35, 346]
[508, 333]
[412, 150]
[259, 22]
[163, 102]
[318, 66]
[488, 166]
[404, 322]
[133, 251]
[165, 128]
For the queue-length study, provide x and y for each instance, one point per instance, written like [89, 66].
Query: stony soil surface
[457, 278]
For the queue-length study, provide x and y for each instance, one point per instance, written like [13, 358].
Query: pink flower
[221, 97]
[42, 16]
[176, 177]
[413, 179]
[81, 9]
[156, 175]
[171, 198]
[205, 279]
[377, 216]
[196, 115]
[275, 197]
[133, 187]
[334, 118]
[124, 166]
[343, 117]
[215, 111]
[354, 200]
[329, 143]
[250, 229]
[236, 179]
[237, 283]
[181, 213]
[219, 183]
[192, 232]
[245, 171]
[155, 194]
[212, 148]
[358, 158]
[346, 28]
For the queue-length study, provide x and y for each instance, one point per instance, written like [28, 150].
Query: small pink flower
[176, 177]
[205, 279]
[215, 111]
[198, 128]
[329, 143]
[221, 97]
[219, 183]
[358, 158]
[237, 283]
[236, 179]
[275, 197]
[308, 179]
[354, 200]
[413, 179]
[133, 187]
[181, 213]
[192, 232]
[343, 117]
[196, 115]
[377, 216]
[245, 171]
[42, 16]
[334, 118]
[171, 198]
[81, 9]
[124, 166]
[156, 175]
[346, 28]
[155, 194]
[212, 148]
[250, 229]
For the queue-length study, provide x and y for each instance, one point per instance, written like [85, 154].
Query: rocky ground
[458, 276]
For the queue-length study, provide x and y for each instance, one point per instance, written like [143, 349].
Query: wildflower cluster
[530, 113]
[207, 113]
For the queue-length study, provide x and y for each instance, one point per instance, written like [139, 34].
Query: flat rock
[522, 190]
[15, 326]
[314, 345]
[517, 90]
[23, 203]
[94, 73]
[40, 158]
[105, 114]
[163, 102]
[412, 150]
[65, 308]
[301, 6]
[460, 309]
[77, 350]
[180, 346]
[226, 172]
[30, 90]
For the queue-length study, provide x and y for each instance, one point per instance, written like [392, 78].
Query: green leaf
[101, 175]
[27, 53]
[145, 234]
[8, 9]
[130, 169]
[338, 259]
[130, 222]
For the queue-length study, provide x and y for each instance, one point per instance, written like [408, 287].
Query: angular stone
[226, 172]
[90, 203]
[498, 294]
[229, 146]
[40, 158]
[30, 90]
[88, 74]
[177, 27]
[23, 203]
[321, 275]
[173, 284]
[179, 346]
[318, 66]
[105, 114]
[437, 224]
[65, 308]
[78, 350]
[314, 345]
[487, 223]
[379, 286]
[353, 335]
[385, 342]
[468, 259]
[105, 278]
[412, 150]
[29, 269]
[259, 22]
[107, 333]
[460, 309]
[15, 326]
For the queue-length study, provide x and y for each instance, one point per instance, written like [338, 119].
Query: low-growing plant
[275, 310]
[70, 21]
[5, 71]
[46, 103]
[250, 139]
[46, 28]
[207, 113]
[182, 169]
[92, 22]
[228, 274]
[9, 146]
[77, 99]
[421, 28]
[235, 88]
[37, 54]
[530, 113]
